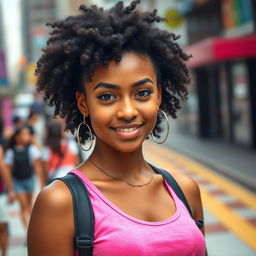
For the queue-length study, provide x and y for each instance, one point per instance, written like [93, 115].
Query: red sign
[219, 49]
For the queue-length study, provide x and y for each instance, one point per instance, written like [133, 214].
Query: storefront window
[241, 104]
[224, 104]
[188, 116]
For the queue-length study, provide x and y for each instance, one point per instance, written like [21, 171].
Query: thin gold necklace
[130, 184]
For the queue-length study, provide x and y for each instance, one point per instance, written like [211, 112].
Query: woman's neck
[20, 145]
[123, 165]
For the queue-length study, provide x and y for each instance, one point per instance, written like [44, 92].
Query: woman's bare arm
[5, 174]
[51, 227]
[45, 168]
[37, 164]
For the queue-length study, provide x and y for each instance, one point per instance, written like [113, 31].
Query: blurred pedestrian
[23, 161]
[17, 122]
[114, 76]
[60, 154]
[32, 121]
[5, 182]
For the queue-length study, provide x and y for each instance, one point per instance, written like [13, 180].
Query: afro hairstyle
[79, 44]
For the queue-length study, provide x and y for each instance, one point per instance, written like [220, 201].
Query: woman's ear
[159, 95]
[81, 103]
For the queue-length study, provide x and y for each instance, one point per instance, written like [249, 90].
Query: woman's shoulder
[52, 221]
[9, 150]
[8, 156]
[34, 151]
[56, 196]
[31, 146]
[186, 182]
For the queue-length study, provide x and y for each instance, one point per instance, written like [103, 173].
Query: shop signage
[174, 18]
[237, 17]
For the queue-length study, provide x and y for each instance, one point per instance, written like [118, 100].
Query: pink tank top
[117, 233]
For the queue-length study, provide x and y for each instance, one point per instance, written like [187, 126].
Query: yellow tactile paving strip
[241, 227]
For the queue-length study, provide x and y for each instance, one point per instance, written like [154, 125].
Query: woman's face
[24, 137]
[122, 102]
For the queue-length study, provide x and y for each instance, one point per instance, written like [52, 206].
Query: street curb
[247, 182]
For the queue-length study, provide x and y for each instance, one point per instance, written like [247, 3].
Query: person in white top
[22, 159]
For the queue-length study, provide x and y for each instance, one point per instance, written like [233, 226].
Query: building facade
[222, 41]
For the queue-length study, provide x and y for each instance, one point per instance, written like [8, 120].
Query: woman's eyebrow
[106, 85]
[143, 81]
[114, 86]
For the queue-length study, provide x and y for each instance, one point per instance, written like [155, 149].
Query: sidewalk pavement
[17, 233]
[235, 162]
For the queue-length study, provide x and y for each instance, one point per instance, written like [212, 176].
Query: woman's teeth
[126, 129]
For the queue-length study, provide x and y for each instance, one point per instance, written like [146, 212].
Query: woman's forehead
[25, 130]
[132, 67]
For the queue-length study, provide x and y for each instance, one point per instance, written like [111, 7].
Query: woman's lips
[128, 132]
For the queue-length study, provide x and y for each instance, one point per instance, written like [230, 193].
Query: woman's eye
[143, 93]
[106, 97]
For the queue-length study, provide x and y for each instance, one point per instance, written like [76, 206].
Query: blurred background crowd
[220, 34]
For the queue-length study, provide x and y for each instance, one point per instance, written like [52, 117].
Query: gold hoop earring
[168, 128]
[78, 137]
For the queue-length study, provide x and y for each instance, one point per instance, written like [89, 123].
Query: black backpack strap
[83, 214]
[175, 186]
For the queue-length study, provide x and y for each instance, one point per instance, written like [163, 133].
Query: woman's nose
[127, 110]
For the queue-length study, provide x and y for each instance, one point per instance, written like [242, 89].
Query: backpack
[22, 168]
[83, 211]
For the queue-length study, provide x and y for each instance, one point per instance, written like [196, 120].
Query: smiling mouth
[130, 129]
[126, 129]
[128, 132]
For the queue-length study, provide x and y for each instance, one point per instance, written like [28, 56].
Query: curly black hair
[78, 44]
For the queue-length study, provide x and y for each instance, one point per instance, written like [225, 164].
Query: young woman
[59, 154]
[22, 159]
[111, 75]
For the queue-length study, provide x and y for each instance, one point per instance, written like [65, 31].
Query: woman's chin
[128, 147]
